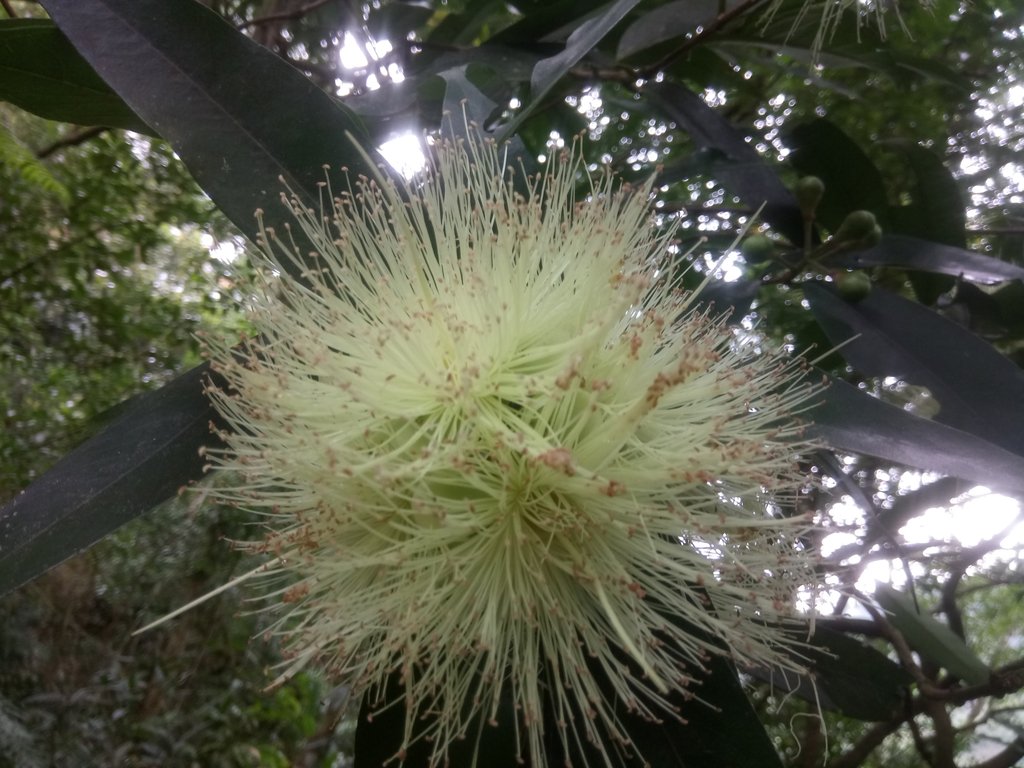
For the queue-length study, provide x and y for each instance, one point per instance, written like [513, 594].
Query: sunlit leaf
[547, 72]
[887, 335]
[931, 638]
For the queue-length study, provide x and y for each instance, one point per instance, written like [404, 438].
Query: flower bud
[757, 248]
[853, 286]
[808, 192]
[873, 238]
[856, 227]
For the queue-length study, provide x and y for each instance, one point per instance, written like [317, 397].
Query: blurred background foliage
[112, 260]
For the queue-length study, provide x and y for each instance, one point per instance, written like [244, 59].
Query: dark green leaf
[716, 729]
[147, 454]
[934, 640]
[911, 253]
[900, 67]
[906, 69]
[792, 30]
[1008, 305]
[887, 335]
[730, 299]
[467, 109]
[739, 45]
[936, 209]
[239, 117]
[550, 22]
[935, 212]
[465, 102]
[514, 64]
[549, 71]
[851, 420]
[396, 108]
[666, 22]
[846, 676]
[852, 182]
[41, 72]
[741, 169]
[720, 731]
[380, 728]
[464, 26]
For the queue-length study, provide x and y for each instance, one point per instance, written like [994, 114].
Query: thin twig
[919, 742]
[283, 15]
[858, 753]
[997, 231]
[71, 139]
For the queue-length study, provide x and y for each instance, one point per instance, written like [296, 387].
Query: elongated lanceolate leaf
[912, 253]
[934, 640]
[845, 675]
[236, 114]
[979, 391]
[674, 19]
[936, 210]
[721, 729]
[852, 420]
[142, 458]
[741, 170]
[41, 72]
[464, 105]
[380, 728]
[547, 72]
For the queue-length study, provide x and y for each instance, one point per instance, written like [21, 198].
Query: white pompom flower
[502, 456]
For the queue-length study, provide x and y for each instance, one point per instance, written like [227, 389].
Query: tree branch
[859, 752]
[71, 139]
[283, 15]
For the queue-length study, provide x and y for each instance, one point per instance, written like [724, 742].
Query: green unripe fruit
[853, 286]
[808, 192]
[857, 226]
[872, 239]
[757, 248]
